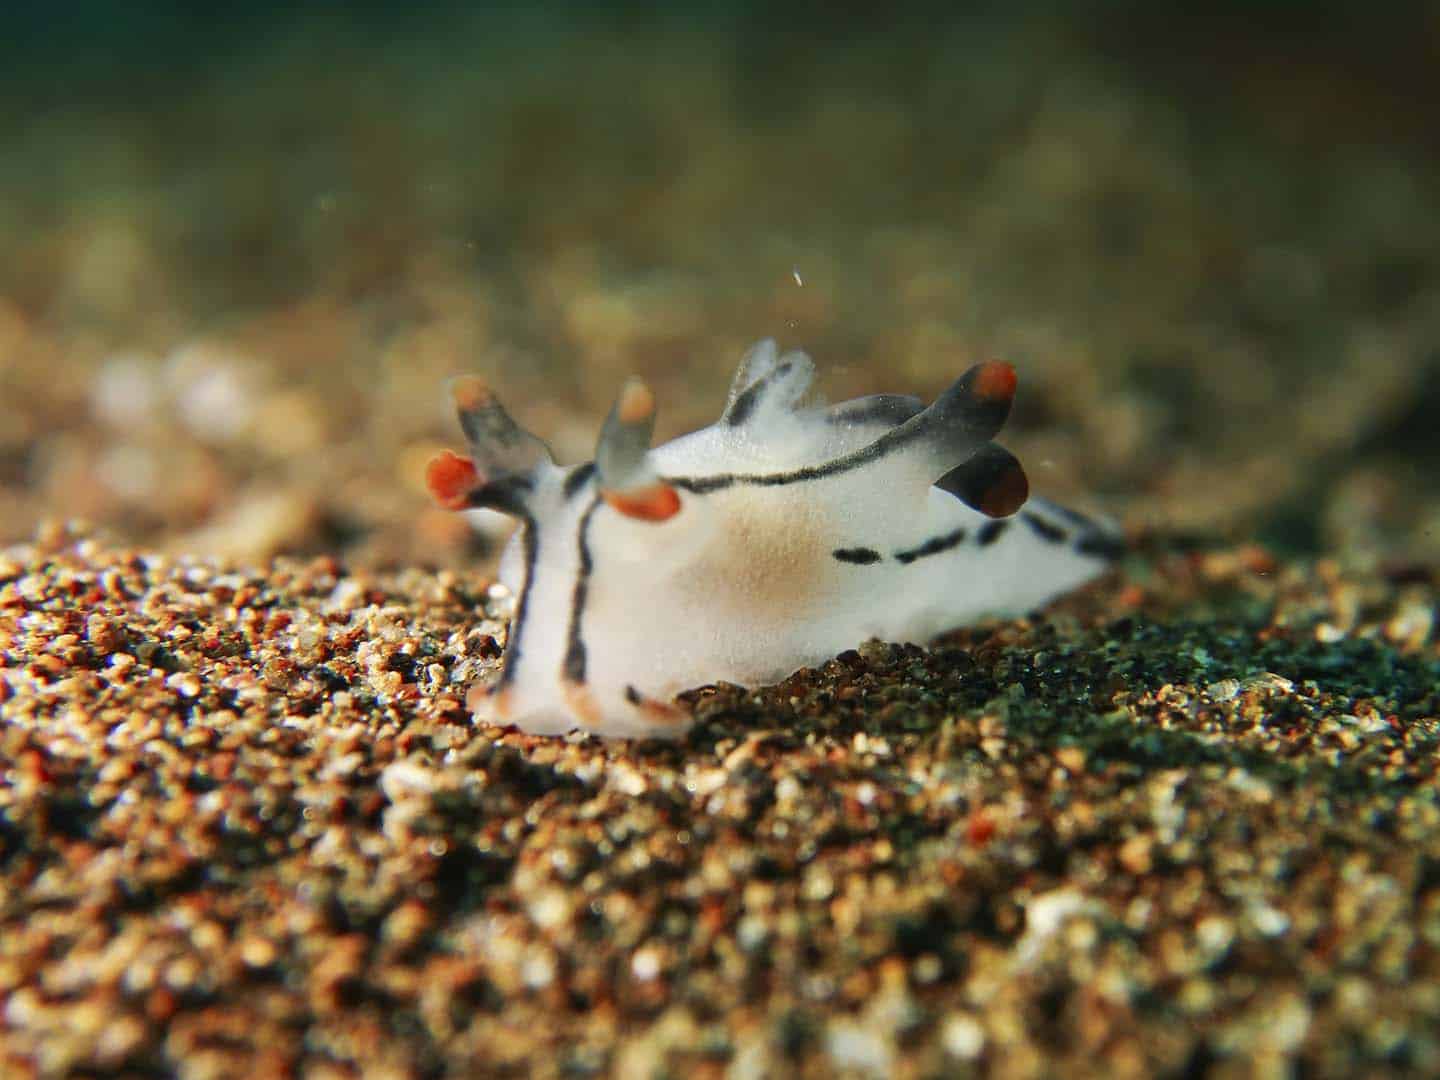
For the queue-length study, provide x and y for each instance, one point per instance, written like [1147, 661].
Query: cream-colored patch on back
[767, 552]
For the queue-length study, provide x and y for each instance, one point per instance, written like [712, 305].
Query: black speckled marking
[578, 478]
[934, 546]
[990, 532]
[1047, 531]
[858, 556]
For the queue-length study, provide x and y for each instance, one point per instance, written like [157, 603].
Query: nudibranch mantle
[777, 537]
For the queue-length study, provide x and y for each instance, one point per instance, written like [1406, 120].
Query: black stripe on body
[1047, 531]
[574, 668]
[578, 478]
[1074, 517]
[529, 551]
[743, 406]
[887, 444]
[1101, 546]
[934, 546]
[990, 532]
[957, 420]
[860, 556]
[1093, 540]
[890, 409]
[506, 496]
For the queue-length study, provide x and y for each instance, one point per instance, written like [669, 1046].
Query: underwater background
[245, 246]
[1182, 822]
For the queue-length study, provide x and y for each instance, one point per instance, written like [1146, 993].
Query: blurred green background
[243, 249]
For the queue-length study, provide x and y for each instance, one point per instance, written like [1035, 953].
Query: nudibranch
[777, 537]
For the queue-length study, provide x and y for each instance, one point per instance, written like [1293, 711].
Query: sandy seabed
[247, 828]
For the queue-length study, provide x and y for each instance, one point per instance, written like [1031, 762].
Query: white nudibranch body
[773, 539]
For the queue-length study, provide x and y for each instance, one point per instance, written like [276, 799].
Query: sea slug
[780, 535]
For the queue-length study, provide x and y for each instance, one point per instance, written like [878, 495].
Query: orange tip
[654, 502]
[470, 393]
[451, 478]
[994, 381]
[637, 403]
